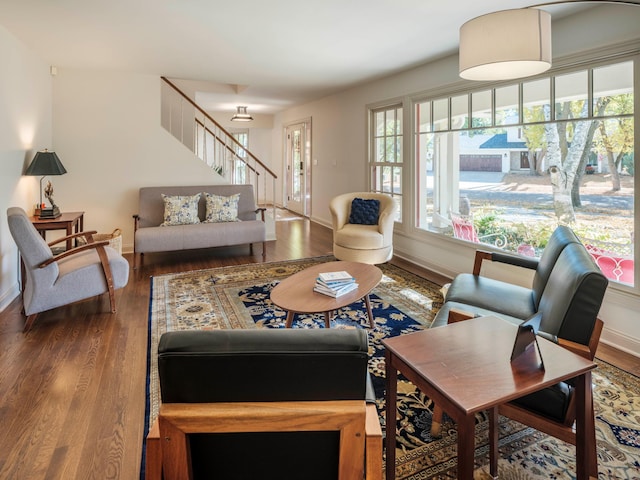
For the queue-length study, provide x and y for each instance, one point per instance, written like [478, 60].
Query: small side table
[67, 221]
[465, 367]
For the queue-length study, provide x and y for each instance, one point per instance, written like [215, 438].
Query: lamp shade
[506, 44]
[241, 115]
[46, 163]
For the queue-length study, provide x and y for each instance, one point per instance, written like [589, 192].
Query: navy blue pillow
[364, 211]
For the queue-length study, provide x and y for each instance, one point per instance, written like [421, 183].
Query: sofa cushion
[442, 316]
[484, 292]
[364, 211]
[221, 209]
[359, 237]
[180, 209]
[201, 235]
[263, 365]
[551, 402]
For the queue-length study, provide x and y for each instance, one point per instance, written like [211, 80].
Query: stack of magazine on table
[335, 284]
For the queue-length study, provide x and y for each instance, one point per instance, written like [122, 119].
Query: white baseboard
[8, 296]
[620, 341]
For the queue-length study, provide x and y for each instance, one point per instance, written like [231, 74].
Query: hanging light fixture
[511, 43]
[241, 115]
[506, 44]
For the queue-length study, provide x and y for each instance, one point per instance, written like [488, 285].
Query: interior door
[298, 168]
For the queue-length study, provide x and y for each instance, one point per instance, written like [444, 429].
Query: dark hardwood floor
[72, 390]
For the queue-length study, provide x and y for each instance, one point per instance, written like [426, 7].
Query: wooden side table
[465, 368]
[67, 221]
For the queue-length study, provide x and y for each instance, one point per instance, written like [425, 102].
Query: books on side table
[335, 284]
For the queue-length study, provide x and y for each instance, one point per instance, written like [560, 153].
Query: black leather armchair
[563, 301]
[263, 403]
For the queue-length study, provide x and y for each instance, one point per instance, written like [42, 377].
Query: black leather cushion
[573, 295]
[442, 317]
[484, 292]
[263, 365]
[560, 238]
[550, 402]
[364, 211]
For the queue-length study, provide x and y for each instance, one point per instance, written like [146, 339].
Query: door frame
[306, 164]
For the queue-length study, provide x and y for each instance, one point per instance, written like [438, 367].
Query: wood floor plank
[72, 390]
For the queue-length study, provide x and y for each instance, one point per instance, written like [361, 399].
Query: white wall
[340, 146]
[25, 127]
[108, 136]
[106, 130]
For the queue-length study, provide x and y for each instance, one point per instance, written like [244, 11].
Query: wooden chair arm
[530, 263]
[373, 439]
[577, 348]
[346, 416]
[373, 444]
[459, 315]
[73, 251]
[153, 458]
[261, 210]
[586, 351]
[104, 261]
[87, 235]
[481, 255]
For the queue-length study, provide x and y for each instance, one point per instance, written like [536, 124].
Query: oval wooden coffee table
[295, 294]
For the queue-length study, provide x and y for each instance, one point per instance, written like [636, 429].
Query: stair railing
[214, 145]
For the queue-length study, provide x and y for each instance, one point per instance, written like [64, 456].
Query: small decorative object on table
[46, 163]
[335, 284]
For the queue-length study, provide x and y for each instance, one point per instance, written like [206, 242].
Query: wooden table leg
[586, 456]
[327, 319]
[391, 375]
[289, 320]
[69, 232]
[493, 442]
[466, 447]
[367, 302]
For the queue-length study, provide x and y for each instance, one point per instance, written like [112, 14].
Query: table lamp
[46, 163]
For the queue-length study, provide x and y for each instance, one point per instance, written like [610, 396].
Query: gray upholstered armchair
[52, 281]
[365, 243]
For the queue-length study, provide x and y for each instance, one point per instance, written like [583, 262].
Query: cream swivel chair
[76, 274]
[358, 236]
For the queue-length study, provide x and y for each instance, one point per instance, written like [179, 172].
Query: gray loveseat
[149, 236]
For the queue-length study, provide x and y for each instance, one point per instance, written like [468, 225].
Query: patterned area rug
[238, 297]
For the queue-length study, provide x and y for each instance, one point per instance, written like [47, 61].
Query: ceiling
[266, 55]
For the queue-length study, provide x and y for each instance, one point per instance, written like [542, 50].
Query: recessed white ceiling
[268, 55]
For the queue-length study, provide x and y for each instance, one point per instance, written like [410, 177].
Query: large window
[505, 166]
[386, 159]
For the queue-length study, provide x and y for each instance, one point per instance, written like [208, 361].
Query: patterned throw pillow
[221, 209]
[364, 211]
[180, 209]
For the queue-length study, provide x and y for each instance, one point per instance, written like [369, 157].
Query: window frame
[398, 167]
[417, 201]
